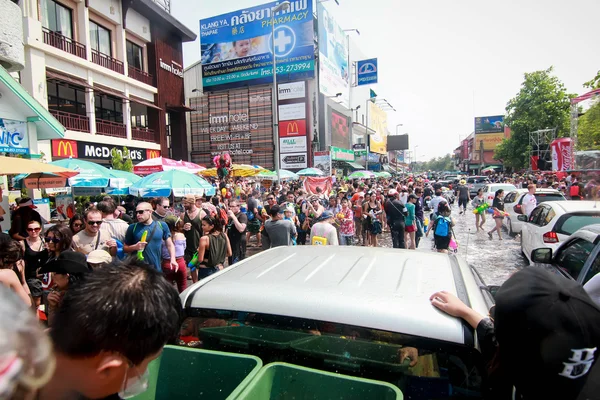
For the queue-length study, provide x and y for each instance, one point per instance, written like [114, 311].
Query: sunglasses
[140, 212]
[94, 223]
[34, 229]
[167, 207]
[51, 239]
[77, 225]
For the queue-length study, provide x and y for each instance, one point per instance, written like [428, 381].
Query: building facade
[111, 71]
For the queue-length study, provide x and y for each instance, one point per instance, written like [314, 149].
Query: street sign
[293, 160]
[367, 72]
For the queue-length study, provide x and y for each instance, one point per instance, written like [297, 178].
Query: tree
[542, 103]
[120, 160]
[588, 128]
[594, 83]
[437, 164]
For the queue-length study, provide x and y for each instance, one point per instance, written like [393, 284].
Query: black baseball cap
[548, 332]
[67, 262]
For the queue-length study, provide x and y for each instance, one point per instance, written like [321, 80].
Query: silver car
[358, 311]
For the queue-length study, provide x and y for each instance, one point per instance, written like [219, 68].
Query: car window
[471, 180]
[572, 256]
[506, 188]
[542, 197]
[569, 223]
[533, 218]
[510, 198]
[547, 217]
[594, 269]
[486, 189]
[542, 218]
[340, 348]
[482, 180]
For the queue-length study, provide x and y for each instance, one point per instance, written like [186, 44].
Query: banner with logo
[340, 154]
[378, 122]
[366, 72]
[65, 148]
[236, 47]
[293, 139]
[491, 124]
[292, 90]
[13, 137]
[292, 128]
[322, 161]
[333, 57]
[490, 140]
[292, 144]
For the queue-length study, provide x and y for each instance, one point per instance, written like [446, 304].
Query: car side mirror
[543, 255]
[522, 218]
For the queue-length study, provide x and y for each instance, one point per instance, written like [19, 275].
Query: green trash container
[281, 381]
[183, 373]
[352, 354]
[245, 336]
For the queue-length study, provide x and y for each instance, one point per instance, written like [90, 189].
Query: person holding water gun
[481, 207]
[498, 212]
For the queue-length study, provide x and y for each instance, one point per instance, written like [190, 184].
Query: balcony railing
[109, 128]
[74, 122]
[64, 43]
[145, 134]
[141, 76]
[107, 62]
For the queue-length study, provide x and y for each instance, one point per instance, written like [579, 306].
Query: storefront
[98, 152]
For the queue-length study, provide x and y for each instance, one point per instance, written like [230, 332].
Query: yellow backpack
[318, 241]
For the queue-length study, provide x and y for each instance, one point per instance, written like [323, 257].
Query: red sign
[292, 128]
[64, 148]
[152, 154]
[562, 154]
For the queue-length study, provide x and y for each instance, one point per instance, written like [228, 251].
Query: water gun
[120, 251]
[499, 213]
[193, 262]
[481, 209]
[140, 253]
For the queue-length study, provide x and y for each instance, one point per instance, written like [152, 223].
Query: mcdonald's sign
[64, 148]
[292, 128]
[152, 154]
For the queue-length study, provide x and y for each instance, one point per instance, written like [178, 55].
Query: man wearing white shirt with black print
[529, 200]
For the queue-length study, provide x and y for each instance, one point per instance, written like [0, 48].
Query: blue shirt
[410, 218]
[152, 252]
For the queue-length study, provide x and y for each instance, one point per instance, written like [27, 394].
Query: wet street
[495, 260]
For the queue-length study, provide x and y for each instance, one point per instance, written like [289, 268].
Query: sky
[443, 62]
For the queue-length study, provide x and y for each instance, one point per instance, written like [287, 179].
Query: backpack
[574, 190]
[442, 227]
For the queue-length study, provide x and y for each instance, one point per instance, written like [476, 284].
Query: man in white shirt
[529, 200]
[435, 202]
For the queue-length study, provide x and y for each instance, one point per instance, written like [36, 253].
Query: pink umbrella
[160, 164]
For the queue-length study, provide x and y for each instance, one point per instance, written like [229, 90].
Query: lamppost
[280, 7]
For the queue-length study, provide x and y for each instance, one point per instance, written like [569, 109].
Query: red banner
[311, 184]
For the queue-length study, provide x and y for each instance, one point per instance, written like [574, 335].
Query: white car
[552, 222]
[489, 190]
[514, 200]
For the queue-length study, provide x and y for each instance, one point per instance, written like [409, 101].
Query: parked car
[514, 200]
[475, 183]
[552, 222]
[355, 311]
[578, 258]
[489, 190]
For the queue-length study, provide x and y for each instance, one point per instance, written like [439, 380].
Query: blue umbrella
[310, 172]
[120, 182]
[173, 181]
[90, 174]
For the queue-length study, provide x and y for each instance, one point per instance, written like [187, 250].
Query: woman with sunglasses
[76, 224]
[58, 239]
[35, 256]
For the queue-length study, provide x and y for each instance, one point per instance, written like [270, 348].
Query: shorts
[254, 226]
[410, 228]
[463, 202]
[35, 287]
[441, 242]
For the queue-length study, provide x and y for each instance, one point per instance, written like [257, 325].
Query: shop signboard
[292, 144]
[366, 72]
[292, 128]
[339, 154]
[293, 160]
[236, 47]
[292, 111]
[322, 161]
[333, 56]
[13, 137]
[65, 148]
[43, 207]
[378, 122]
[489, 124]
[490, 140]
[292, 90]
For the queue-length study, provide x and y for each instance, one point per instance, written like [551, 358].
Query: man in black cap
[544, 338]
[22, 217]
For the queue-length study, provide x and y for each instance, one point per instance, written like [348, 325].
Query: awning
[144, 102]
[360, 129]
[179, 108]
[354, 165]
[67, 78]
[48, 127]
[109, 91]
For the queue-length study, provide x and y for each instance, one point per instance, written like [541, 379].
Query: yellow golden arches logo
[292, 128]
[65, 149]
[152, 153]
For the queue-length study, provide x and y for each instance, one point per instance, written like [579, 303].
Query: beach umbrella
[272, 175]
[310, 172]
[363, 174]
[383, 174]
[35, 174]
[237, 170]
[159, 164]
[179, 183]
[90, 173]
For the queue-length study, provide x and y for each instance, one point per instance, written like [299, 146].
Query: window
[569, 223]
[139, 115]
[594, 269]
[100, 39]
[57, 18]
[135, 55]
[443, 370]
[66, 97]
[573, 256]
[533, 218]
[108, 108]
[510, 197]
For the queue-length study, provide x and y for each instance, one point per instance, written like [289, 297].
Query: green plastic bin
[281, 381]
[244, 336]
[185, 374]
[352, 354]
